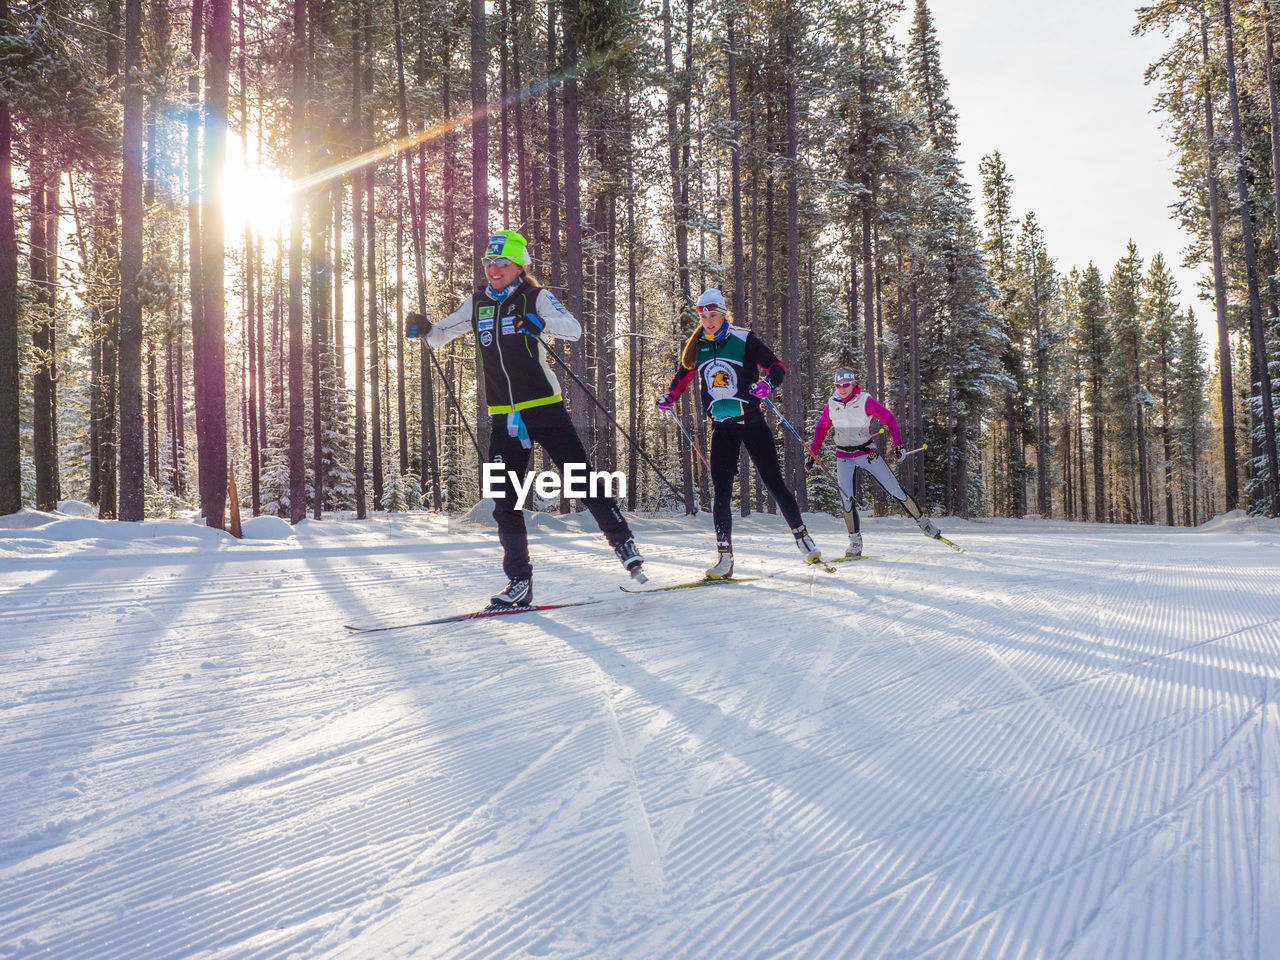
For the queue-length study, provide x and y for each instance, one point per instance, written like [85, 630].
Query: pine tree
[1159, 317]
[1092, 341]
[1191, 406]
[1127, 394]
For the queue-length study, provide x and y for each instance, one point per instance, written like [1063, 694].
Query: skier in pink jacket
[850, 411]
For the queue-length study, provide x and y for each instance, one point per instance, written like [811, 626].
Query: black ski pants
[727, 437]
[550, 428]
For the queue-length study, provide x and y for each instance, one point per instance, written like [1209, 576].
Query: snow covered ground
[1064, 743]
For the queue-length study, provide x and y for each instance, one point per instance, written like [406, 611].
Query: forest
[215, 216]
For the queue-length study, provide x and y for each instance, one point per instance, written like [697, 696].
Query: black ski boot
[519, 593]
[629, 556]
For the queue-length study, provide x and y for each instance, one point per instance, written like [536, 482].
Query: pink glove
[666, 402]
[761, 389]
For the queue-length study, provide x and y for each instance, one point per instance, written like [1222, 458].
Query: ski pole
[923, 446]
[639, 449]
[449, 387]
[696, 449]
[788, 425]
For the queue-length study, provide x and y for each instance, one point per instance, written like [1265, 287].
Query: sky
[1058, 89]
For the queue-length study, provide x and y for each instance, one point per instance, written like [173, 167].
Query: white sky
[1057, 88]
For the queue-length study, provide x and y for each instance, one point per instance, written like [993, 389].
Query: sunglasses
[497, 262]
[710, 308]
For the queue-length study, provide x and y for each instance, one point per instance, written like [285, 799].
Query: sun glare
[253, 196]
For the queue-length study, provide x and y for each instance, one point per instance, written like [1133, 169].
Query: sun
[252, 196]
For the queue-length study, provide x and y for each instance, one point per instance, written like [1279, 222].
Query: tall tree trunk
[255, 362]
[373, 336]
[522, 171]
[180, 392]
[321, 297]
[195, 120]
[132, 466]
[44, 376]
[10, 433]
[791, 316]
[209, 340]
[298, 147]
[1229, 455]
[573, 198]
[1257, 329]
[339, 290]
[676, 85]
[1096, 436]
[1042, 389]
[480, 191]
[357, 224]
[402, 173]
[553, 148]
[371, 275]
[429, 475]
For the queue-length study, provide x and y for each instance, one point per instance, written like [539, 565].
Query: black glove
[809, 461]
[530, 325]
[898, 454]
[416, 325]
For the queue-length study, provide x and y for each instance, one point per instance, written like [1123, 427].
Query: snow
[1063, 743]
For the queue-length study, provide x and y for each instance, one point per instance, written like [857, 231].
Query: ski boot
[855, 546]
[519, 593]
[928, 528]
[723, 568]
[629, 556]
[805, 543]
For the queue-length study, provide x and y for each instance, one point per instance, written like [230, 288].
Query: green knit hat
[509, 244]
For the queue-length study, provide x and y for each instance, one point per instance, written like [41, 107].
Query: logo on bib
[721, 379]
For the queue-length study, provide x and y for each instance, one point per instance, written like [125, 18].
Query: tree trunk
[1257, 332]
[402, 173]
[357, 223]
[574, 278]
[256, 441]
[195, 120]
[480, 192]
[209, 339]
[44, 375]
[792, 474]
[1229, 455]
[679, 186]
[10, 433]
[132, 466]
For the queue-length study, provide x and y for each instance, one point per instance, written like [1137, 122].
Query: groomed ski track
[1064, 743]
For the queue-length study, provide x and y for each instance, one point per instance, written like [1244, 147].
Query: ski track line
[646, 857]
[1056, 718]
[1267, 881]
[273, 858]
[229, 587]
[1169, 837]
[799, 941]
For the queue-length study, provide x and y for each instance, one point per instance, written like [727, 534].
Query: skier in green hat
[508, 317]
